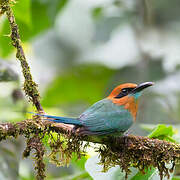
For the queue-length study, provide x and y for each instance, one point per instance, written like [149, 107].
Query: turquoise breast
[106, 117]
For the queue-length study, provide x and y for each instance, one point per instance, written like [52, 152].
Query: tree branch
[125, 151]
[30, 88]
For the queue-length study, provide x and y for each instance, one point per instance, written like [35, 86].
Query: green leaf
[162, 132]
[84, 83]
[22, 11]
[44, 13]
[148, 174]
[80, 163]
[45, 140]
[40, 18]
[5, 46]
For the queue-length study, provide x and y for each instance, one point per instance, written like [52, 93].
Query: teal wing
[105, 117]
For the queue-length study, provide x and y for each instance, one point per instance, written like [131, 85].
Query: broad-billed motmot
[110, 116]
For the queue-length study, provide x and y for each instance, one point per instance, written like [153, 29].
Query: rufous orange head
[127, 95]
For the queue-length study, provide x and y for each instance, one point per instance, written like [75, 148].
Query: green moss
[64, 146]
[127, 151]
[140, 152]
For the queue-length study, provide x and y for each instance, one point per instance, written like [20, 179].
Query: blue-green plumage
[104, 117]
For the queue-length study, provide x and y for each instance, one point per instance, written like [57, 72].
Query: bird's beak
[142, 86]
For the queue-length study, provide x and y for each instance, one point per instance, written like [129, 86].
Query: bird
[113, 115]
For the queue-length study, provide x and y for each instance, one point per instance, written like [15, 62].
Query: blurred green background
[78, 52]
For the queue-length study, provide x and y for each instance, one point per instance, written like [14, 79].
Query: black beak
[142, 86]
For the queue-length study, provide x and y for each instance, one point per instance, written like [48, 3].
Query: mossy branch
[35, 143]
[30, 87]
[126, 151]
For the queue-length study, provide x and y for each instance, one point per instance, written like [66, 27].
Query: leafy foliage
[29, 23]
[163, 132]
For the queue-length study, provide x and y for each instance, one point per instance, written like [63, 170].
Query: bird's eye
[124, 91]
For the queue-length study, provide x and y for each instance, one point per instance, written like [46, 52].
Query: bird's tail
[59, 119]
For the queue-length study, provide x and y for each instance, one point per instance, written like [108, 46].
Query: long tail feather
[59, 119]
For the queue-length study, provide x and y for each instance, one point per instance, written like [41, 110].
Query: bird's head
[127, 95]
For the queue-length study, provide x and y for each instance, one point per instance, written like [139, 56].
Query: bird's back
[105, 117]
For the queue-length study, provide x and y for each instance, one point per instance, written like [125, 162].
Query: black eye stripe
[127, 89]
[124, 92]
